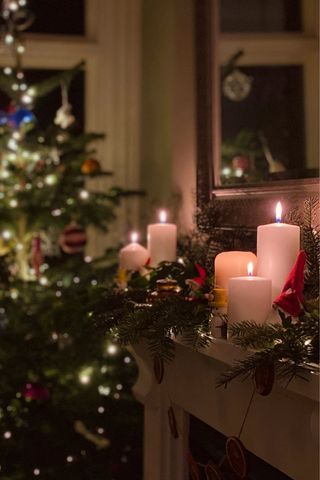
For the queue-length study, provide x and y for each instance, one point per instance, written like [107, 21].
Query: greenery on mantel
[138, 312]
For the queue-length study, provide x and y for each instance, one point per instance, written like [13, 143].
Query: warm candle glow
[134, 237]
[250, 269]
[163, 216]
[278, 212]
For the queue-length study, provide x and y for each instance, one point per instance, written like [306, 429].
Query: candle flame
[250, 269]
[134, 237]
[278, 212]
[163, 216]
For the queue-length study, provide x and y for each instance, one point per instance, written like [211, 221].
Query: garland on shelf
[158, 304]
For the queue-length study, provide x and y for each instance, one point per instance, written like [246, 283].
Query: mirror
[258, 92]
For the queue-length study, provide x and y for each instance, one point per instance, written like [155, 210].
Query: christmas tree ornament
[90, 166]
[73, 239]
[19, 116]
[213, 471]
[36, 255]
[237, 85]
[236, 457]
[264, 378]
[35, 391]
[64, 117]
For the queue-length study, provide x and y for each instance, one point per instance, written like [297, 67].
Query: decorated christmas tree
[66, 410]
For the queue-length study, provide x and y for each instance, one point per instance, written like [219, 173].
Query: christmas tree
[65, 407]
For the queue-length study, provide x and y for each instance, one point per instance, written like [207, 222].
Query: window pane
[263, 134]
[260, 15]
[62, 17]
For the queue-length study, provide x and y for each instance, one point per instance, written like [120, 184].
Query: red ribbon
[37, 257]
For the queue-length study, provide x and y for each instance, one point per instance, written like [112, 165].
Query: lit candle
[162, 240]
[134, 255]
[249, 298]
[232, 264]
[278, 245]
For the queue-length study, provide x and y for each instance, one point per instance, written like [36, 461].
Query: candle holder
[166, 287]
[218, 320]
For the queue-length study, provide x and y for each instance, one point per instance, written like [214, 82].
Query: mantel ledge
[226, 352]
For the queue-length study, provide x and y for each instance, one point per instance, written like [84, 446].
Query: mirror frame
[240, 208]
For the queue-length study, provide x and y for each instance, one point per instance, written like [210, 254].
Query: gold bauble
[90, 165]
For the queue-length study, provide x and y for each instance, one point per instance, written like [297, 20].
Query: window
[269, 90]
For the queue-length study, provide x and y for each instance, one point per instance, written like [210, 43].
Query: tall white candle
[134, 255]
[232, 264]
[249, 298]
[278, 245]
[162, 240]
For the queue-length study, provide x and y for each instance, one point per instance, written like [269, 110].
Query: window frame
[111, 51]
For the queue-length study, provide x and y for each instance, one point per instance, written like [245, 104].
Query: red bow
[202, 275]
[291, 298]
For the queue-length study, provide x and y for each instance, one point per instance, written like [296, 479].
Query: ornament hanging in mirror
[237, 85]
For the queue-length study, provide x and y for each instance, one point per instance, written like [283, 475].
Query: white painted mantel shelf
[281, 428]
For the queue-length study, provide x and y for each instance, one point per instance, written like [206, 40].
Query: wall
[167, 109]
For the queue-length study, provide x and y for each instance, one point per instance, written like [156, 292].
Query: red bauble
[73, 239]
[35, 391]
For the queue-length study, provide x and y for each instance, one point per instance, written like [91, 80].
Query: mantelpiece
[280, 428]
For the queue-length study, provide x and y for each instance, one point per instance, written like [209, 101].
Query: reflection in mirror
[269, 91]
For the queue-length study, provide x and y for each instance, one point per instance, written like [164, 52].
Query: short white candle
[232, 264]
[249, 298]
[162, 240]
[134, 255]
[278, 245]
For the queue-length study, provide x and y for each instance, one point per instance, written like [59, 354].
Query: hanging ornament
[213, 472]
[64, 117]
[237, 85]
[20, 116]
[35, 391]
[90, 166]
[264, 378]
[73, 239]
[236, 456]
[36, 255]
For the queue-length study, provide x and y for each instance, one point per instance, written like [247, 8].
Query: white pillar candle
[162, 241]
[249, 298]
[134, 255]
[232, 264]
[278, 245]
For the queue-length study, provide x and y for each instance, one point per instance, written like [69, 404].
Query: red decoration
[73, 239]
[264, 378]
[194, 471]
[197, 283]
[291, 298]
[35, 391]
[37, 257]
[236, 456]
